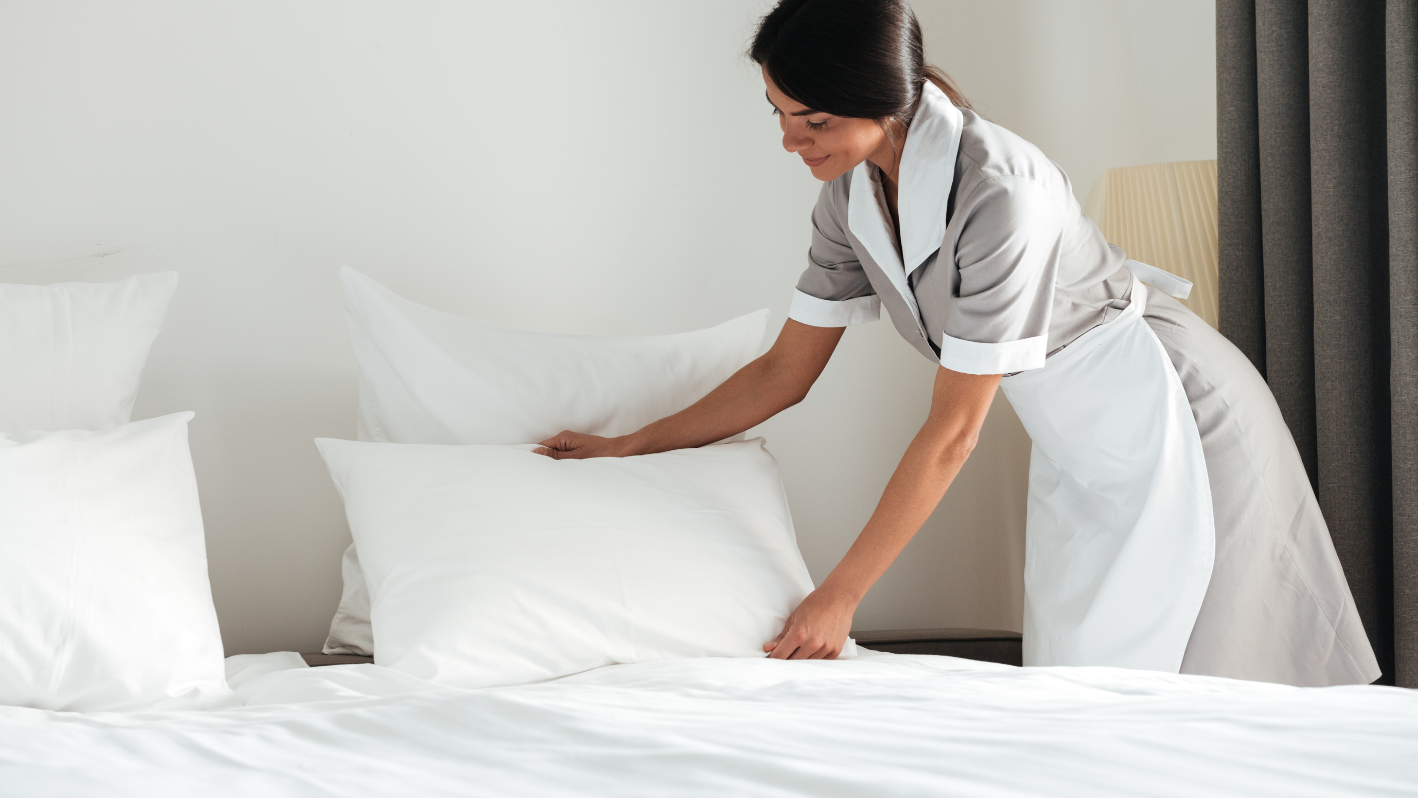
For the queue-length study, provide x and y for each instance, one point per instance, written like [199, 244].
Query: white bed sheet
[877, 725]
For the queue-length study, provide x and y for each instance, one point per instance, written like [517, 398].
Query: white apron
[1120, 536]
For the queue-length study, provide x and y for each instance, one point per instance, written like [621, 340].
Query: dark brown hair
[852, 58]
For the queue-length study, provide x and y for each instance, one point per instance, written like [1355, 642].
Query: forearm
[751, 396]
[926, 470]
[820, 624]
[755, 393]
[937, 453]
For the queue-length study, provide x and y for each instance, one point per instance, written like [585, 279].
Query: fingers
[568, 445]
[822, 651]
[796, 645]
[561, 440]
[809, 650]
[775, 642]
[558, 446]
[555, 454]
[798, 649]
[784, 645]
[792, 646]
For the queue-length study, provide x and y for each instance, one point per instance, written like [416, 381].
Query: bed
[544, 628]
[919, 725]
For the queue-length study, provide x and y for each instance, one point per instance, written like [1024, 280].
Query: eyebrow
[806, 112]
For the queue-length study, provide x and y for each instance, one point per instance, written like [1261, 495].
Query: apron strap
[1164, 281]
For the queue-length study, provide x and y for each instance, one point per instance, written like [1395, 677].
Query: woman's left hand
[817, 629]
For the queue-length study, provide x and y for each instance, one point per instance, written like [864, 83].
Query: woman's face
[829, 145]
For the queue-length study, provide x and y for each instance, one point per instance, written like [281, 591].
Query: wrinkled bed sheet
[876, 725]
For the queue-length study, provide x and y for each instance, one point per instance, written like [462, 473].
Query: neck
[890, 170]
[887, 158]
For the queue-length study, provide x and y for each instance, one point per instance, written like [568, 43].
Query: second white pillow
[433, 377]
[491, 565]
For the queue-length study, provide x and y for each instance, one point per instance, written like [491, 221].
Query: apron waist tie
[1164, 281]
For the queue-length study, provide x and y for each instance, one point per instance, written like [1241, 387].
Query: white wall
[604, 167]
[1174, 50]
[1095, 83]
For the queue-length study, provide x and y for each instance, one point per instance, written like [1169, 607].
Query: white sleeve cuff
[816, 312]
[969, 357]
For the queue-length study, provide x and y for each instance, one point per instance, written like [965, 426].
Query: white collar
[927, 171]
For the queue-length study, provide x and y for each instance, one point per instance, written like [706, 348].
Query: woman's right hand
[568, 445]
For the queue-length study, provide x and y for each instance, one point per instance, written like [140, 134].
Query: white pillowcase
[491, 565]
[104, 597]
[71, 354]
[433, 377]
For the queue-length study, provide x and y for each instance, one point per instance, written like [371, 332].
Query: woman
[1171, 525]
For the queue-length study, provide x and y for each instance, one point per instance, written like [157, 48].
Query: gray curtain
[1317, 182]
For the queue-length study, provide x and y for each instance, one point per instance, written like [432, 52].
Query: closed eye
[804, 112]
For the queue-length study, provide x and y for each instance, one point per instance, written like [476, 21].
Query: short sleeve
[834, 290]
[1007, 256]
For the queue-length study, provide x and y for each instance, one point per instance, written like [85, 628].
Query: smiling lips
[813, 163]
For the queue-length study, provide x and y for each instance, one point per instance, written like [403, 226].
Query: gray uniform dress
[1002, 270]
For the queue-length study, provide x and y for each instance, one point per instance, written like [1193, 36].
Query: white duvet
[877, 725]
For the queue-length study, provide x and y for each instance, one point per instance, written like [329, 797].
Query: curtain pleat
[1282, 55]
[1318, 269]
[1241, 288]
[1401, 69]
[1349, 171]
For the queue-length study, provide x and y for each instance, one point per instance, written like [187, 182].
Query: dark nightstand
[320, 660]
[985, 645]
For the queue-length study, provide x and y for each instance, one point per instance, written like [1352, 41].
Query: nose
[794, 140]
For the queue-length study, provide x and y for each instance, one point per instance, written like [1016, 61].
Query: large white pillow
[433, 377]
[491, 565]
[72, 354]
[104, 598]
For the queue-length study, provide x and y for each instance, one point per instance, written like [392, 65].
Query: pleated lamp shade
[1164, 215]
